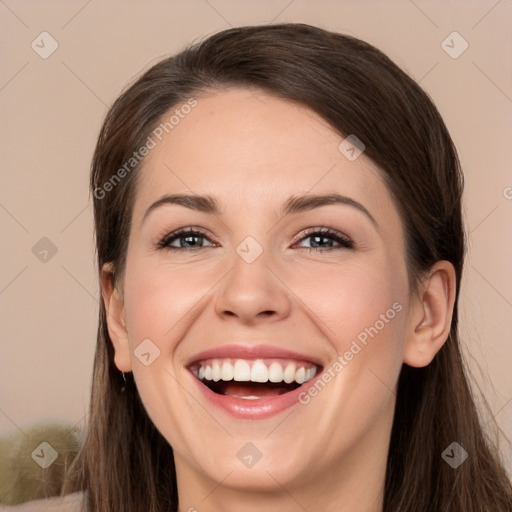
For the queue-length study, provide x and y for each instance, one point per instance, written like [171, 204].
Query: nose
[252, 293]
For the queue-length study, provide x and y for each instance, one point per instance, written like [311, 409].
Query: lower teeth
[250, 390]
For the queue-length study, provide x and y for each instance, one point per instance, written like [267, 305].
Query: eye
[325, 239]
[184, 239]
[320, 239]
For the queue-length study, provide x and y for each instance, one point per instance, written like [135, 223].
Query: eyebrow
[294, 204]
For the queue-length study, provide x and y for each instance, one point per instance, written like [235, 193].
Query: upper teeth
[241, 370]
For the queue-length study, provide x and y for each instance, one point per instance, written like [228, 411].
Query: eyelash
[344, 241]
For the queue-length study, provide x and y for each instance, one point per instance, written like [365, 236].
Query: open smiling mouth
[253, 379]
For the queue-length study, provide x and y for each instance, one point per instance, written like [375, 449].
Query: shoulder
[69, 503]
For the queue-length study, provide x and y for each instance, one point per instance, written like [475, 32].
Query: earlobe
[114, 307]
[431, 315]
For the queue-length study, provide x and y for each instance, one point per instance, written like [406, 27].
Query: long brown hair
[125, 465]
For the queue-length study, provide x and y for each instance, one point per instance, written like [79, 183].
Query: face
[266, 334]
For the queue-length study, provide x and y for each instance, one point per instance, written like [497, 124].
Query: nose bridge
[251, 292]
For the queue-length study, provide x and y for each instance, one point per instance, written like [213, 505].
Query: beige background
[51, 110]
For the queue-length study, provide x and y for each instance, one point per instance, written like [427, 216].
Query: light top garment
[69, 503]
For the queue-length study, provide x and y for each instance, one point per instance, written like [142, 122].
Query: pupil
[316, 240]
[189, 240]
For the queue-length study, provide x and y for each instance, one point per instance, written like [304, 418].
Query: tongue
[253, 389]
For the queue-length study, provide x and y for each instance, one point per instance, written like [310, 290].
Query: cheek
[351, 297]
[346, 302]
[159, 299]
[363, 313]
[158, 304]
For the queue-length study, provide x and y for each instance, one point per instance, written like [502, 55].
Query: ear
[114, 306]
[431, 315]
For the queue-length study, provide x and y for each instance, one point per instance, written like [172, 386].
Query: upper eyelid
[183, 232]
[324, 230]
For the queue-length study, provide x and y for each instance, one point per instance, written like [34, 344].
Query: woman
[280, 246]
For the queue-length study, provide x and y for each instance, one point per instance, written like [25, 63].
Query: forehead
[254, 150]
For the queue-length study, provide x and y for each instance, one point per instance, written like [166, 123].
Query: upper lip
[238, 351]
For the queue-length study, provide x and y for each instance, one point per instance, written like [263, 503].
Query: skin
[252, 151]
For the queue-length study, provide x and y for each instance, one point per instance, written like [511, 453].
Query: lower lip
[259, 408]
